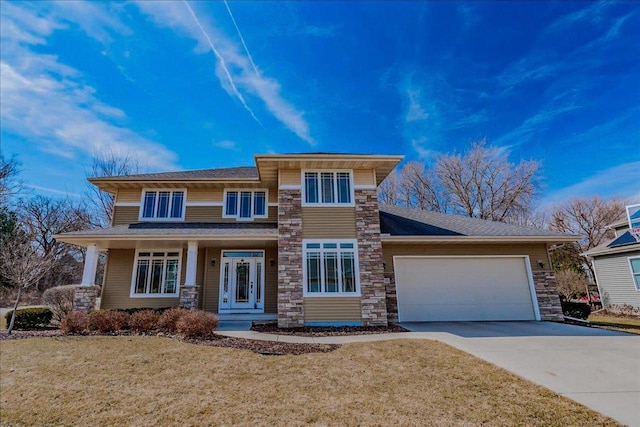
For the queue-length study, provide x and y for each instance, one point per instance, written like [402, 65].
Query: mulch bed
[327, 331]
[268, 348]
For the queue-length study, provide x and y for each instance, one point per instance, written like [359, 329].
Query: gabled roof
[397, 223]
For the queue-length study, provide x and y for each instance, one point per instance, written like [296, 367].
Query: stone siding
[547, 293]
[392, 296]
[189, 297]
[290, 300]
[372, 283]
[84, 298]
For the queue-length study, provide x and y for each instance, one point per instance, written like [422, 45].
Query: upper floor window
[163, 204]
[245, 204]
[327, 188]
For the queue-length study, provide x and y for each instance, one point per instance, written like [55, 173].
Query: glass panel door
[242, 283]
[242, 274]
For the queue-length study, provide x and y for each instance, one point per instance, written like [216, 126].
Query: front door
[242, 282]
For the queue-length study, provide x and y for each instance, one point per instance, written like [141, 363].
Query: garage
[464, 288]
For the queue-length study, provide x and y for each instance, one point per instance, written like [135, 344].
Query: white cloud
[621, 181]
[234, 69]
[47, 102]
[415, 111]
[226, 145]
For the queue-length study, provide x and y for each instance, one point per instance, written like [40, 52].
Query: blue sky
[192, 85]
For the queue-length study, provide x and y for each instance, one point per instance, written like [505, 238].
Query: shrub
[137, 309]
[59, 300]
[144, 321]
[196, 324]
[170, 317]
[75, 322]
[579, 310]
[108, 320]
[30, 318]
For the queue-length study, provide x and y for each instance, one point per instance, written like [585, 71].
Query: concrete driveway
[598, 368]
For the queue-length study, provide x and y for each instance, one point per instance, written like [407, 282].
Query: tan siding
[536, 251]
[212, 280]
[214, 214]
[118, 284]
[615, 280]
[128, 196]
[271, 281]
[200, 195]
[329, 222]
[289, 176]
[363, 177]
[125, 214]
[335, 309]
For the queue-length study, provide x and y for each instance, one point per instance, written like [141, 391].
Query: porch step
[225, 317]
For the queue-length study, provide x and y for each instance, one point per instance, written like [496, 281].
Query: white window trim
[133, 294]
[335, 188]
[356, 267]
[633, 280]
[252, 191]
[157, 190]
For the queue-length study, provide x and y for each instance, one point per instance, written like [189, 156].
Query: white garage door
[463, 288]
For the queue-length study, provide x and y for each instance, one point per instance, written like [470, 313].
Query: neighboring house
[301, 238]
[617, 266]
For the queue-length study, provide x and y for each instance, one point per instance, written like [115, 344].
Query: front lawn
[626, 324]
[151, 380]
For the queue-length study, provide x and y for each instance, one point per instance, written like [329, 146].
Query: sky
[196, 85]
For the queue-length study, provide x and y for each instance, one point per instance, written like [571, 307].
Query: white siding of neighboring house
[615, 280]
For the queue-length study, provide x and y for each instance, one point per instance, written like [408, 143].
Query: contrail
[246, 49]
[222, 62]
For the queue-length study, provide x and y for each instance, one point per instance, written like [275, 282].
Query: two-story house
[301, 238]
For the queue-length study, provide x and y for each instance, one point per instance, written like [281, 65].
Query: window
[635, 271]
[156, 274]
[327, 188]
[163, 205]
[330, 267]
[245, 204]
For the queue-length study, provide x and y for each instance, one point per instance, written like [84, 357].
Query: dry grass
[626, 324]
[151, 380]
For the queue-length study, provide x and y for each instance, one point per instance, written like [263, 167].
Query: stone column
[290, 301]
[392, 296]
[189, 291]
[372, 284]
[547, 294]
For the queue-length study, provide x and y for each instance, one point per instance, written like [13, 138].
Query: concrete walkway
[595, 367]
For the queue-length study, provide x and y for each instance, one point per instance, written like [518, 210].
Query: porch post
[189, 291]
[192, 264]
[85, 295]
[90, 265]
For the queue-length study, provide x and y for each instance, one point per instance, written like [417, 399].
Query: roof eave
[610, 251]
[479, 239]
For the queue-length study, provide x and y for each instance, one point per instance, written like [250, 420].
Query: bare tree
[42, 218]
[101, 202]
[571, 283]
[420, 189]
[588, 218]
[482, 183]
[388, 190]
[9, 184]
[23, 265]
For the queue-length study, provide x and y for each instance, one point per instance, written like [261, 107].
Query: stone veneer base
[189, 297]
[84, 298]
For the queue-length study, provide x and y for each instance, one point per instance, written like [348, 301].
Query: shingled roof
[399, 221]
[245, 172]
